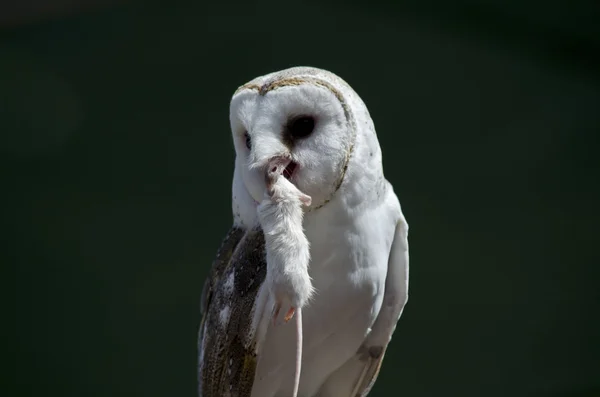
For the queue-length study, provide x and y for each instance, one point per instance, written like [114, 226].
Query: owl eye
[248, 140]
[301, 127]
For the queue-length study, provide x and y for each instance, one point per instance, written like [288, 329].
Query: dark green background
[116, 166]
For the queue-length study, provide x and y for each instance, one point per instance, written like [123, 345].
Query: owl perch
[280, 215]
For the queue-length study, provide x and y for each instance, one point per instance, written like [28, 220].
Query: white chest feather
[348, 271]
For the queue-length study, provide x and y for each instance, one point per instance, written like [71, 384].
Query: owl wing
[364, 366]
[227, 340]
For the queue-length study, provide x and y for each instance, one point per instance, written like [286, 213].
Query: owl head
[309, 116]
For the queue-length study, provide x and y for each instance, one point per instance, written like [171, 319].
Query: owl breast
[349, 260]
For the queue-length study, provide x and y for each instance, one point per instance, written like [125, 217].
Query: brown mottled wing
[226, 343]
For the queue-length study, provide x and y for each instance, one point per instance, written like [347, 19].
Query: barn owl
[318, 233]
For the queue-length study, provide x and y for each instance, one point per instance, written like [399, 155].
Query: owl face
[304, 121]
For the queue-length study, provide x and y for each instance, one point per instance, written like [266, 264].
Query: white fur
[347, 234]
[280, 215]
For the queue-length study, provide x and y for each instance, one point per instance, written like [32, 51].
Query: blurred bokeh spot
[39, 110]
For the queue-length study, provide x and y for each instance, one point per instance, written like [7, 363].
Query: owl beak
[276, 165]
[282, 165]
[288, 172]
